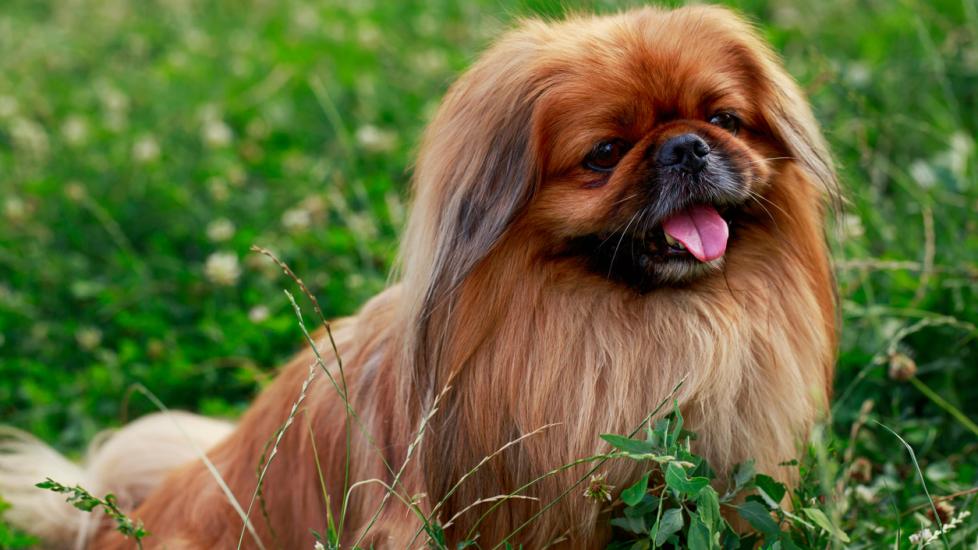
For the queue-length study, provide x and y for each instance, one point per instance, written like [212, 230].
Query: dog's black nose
[687, 151]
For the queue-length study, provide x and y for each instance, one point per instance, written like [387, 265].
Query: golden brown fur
[492, 304]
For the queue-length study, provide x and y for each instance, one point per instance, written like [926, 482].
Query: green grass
[133, 135]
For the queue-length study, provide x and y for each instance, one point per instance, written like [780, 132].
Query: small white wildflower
[430, 62]
[923, 174]
[40, 331]
[961, 146]
[375, 140]
[355, 280]
[368, 35]
[257, 129]
[216, 133]
[88, 338]
[236, 175]
[314, 204]
[318, 546]
[8, 106]
[75, 191]
[852, 226]
[598, 489]
[866, 494]
[74, 130]
[787, 16]
[112, 99]
[145, 150]
[258, 314]
[218, 189]
[296, 220]
[858, 74]
[305, 18]
[920, 536]
[14, 209]
[362, 225]
[220, 230]
[29, 136]
[222, 268]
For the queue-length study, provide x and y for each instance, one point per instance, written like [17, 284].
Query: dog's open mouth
[699, 230]
[686, 243]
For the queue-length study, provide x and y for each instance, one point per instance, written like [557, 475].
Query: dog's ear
[787, 112]
[792, 122]
[476, 172]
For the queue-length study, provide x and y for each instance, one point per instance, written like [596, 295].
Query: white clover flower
[923, 174]
[375, 140]
[88, 338]
[75, 130]
[866, 494]
[29, 136]
[961, 146]
[112, 99]
[222, 268]
[852, 226]
[305, 18]
[362, 224]
[368, 35]
[430, 62]
[236, 175]
[8, 106]
[145, 150]
[220, 230]
[858, 74]
[14, 209]
[296, 220]
[314, 204]
[355, 280]
[218, 189]
[216, 133]
[75, 191]
[258, 314]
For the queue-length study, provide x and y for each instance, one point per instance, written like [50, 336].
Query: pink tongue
[701, 230]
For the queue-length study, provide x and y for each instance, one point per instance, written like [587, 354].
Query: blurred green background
[146, 145]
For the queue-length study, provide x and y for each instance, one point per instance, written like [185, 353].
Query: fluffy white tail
[129, 463]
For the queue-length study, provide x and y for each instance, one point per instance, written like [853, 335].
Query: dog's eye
[726, 120]
[606, 155]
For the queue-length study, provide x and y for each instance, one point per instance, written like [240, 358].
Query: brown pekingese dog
[604, 206]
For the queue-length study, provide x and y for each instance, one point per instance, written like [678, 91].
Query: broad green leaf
[670, 523]
[633, 495]
[676, 480]
[640, 545]
[772, 488]
[699, 536]
[743, 475]
[759, 518]
[824, 522]
[628, 445]
[648, 505]
[708, 508]
[635, 525]
[678, 429]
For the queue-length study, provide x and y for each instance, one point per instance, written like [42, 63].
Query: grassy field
[145, 146]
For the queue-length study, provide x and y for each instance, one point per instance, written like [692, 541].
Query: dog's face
[654, 146]
[641, 147]
[652, 152]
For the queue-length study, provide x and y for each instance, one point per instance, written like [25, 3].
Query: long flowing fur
[129, 463]
[492, 333]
